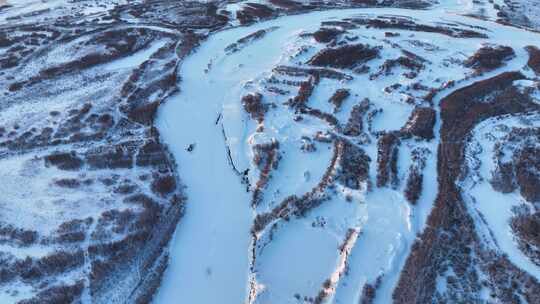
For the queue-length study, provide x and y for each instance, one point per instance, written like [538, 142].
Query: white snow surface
[211, 251]
[495, 208]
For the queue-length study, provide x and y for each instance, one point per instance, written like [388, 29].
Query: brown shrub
[164, 185]
[338, 97]
[254, 106]
[421, 123]
[142, 199]
[528, 178]
[120, 156]
[503, 178]
[355, 124]
[261, 221]
[125, 188]
[387, 157]
[266, 157]
[59, 262]
[450, 231]
[240, 43]
[304, 93]
[413, 188]
[145, 113]
[461, 110]
[315, 72]
[24, 237]
[534, 59]
[288, 4]
[489, 58]
[329, 118]
[354, 166]
[57, 294]
[68, 183]
[326, 35]
[403, 23]
[407, 62]
[105, 120]
[344, 57]
[391, 34]
[252, 12]
[72, 237]
[527, 229]
[368, 294]
[151, 154]
[64, 161]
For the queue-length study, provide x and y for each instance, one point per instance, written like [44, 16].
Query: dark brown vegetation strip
[64, 161]
[254, 106]
[534, 59]
[354, 166]
[299, 206]
[420, 123]
[242, 42]
[267, 159]
[316, 72]
[338, 98]
[527, 177]
[327, 34]
[404, 23]
[288, 4]
[369, 291]
[387, 158]
[304, 93]
[344, 57]
[58, 294]
[488, 58]
[527, 229]
[415, 179]
[450, 237]
[252, 12]
[355, 124]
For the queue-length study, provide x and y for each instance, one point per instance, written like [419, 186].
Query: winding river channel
[205, 128]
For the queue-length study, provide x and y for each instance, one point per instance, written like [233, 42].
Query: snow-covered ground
[211, 251]
[359, 236]
[493, 209]
[62, 196]
[64, 55]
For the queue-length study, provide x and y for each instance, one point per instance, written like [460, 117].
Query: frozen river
[207, 130]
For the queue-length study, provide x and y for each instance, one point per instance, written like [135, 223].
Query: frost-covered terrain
[328, 121]
[270, 151]
[90, 196]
